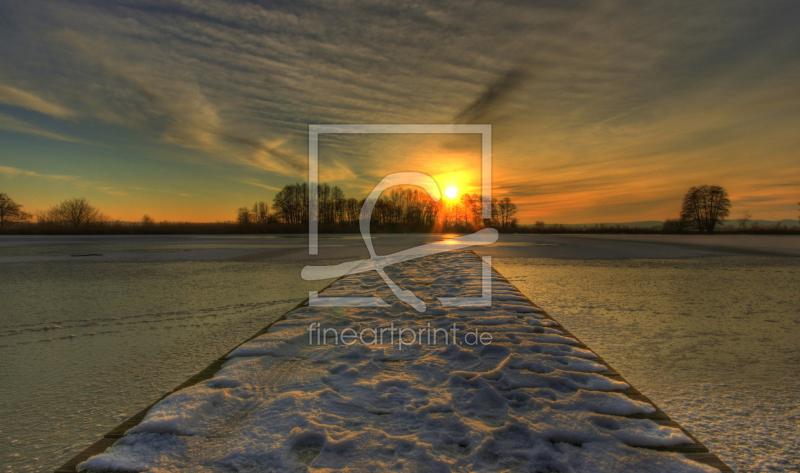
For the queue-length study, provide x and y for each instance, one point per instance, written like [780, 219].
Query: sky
[602, 111]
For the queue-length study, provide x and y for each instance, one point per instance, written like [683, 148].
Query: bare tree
[746, 217]
[291, 203]
[76, 212]
[244, 216]
[403, 209]
[353, 211]
[706, 207]
[338, 202]
[260, 212]
[10, 211]
[674, 225]
[324, 201]
[505, 213]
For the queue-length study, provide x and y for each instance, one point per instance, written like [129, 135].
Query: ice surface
[296, 400]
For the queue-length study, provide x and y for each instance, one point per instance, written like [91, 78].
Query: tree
[76, 212]
[291, 203]
[674, 225]
[706, 207]
[10, 211]
[746, 217]
[260, 212]
[399, 209]
[338, 201]
[505, 213]
[244, 216]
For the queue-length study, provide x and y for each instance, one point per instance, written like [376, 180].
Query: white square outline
[313, 162]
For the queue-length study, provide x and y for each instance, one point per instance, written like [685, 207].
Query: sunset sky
[601, 111]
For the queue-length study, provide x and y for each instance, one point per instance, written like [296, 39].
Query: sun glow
[451, 192]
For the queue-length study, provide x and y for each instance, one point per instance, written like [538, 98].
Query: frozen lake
[705, 326]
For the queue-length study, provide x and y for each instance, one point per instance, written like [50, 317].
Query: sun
[451, 192]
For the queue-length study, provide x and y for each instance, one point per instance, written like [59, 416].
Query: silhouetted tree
[352, 210]
[706, 207]
[260, 212]
[398, 209]
[505, 210]
[244, 216]
[257, 214]
[746, 217]
[674, 225]
[291, 203]
[10, 211]
[76, 212]
[324, 204]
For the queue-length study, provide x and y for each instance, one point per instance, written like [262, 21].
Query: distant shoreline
[231, 228]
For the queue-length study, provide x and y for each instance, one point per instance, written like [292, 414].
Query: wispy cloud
[14, 172]
[20, 98]
[493, 98]
[253, 182]
[76, 181]
[594, 105]
[12, 124]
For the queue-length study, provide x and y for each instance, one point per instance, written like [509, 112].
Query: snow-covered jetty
[503, 388]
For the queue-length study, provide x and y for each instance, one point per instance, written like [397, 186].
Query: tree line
[74, 212]
[400, 209]
[703, 209]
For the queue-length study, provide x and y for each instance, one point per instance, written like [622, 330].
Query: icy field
[87, 344]
[710, 335]
[293, 400]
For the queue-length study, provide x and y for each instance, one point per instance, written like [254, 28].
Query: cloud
[19, 98]
[14, 172]
[175, 107]
[180, 111]
[76, 181]
[494, 96]
[19, 126]
[253, 182]
[666, 94]
[271, 158]
[337, 171]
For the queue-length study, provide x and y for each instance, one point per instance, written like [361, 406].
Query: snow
[530, 400]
